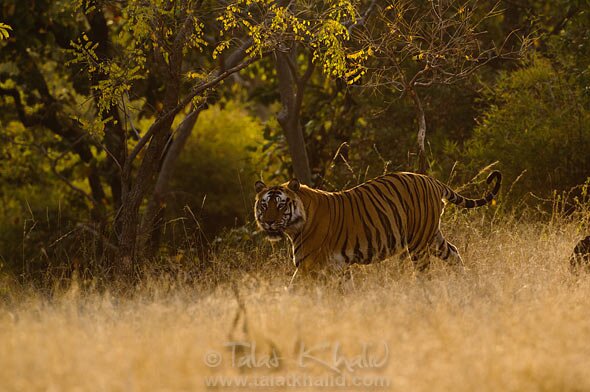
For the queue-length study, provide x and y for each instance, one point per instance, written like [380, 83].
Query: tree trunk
[291, 91]
[421, 137]
[134, 193]
[158, 136]
[296, 143]
[154, 215]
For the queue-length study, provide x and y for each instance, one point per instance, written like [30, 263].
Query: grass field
[515, 320]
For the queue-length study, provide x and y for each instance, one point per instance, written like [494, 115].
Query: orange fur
[391, 214]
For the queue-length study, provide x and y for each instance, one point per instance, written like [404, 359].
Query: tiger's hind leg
[421, 261]
[446, 251]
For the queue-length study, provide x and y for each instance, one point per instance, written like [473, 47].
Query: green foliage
[114, 80]
[36, 208]
[217, 169]
[321, 27]
[4, 31]
[570, 47]
[537, 125]
[113, 86]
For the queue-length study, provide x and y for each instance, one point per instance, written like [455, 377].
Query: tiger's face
[278, 209]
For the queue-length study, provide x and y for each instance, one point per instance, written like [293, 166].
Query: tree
[420, 44]
[128, 50]
[165, 34]
[135, 67]
[312, 36]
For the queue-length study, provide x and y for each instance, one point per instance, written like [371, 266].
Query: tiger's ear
[259, 186]
[294, 185]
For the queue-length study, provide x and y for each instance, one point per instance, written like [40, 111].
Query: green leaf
[4, 31]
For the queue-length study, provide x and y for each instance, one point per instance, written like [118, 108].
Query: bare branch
[363, 19]
[420, 44]
[445, 39]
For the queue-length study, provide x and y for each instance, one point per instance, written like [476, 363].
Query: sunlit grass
[515, 320]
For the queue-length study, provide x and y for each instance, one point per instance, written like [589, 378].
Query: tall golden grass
[515, 320]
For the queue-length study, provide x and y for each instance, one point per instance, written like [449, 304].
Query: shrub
[537, 125]
[217, 169]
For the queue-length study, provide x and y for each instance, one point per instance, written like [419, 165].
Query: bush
[537, 125]
[217, 169]
[35, 208]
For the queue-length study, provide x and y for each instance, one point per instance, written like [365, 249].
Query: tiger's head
[278, 209]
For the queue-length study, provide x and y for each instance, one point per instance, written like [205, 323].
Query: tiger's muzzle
[273, 230]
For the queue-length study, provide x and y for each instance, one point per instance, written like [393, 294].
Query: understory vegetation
[515, 319]
[132, 133]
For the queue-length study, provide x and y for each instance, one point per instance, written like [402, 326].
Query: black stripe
[423, 227]
[342, 209]
[387, 222]
[412, 212]
[367, 226]
[357, 218]
[420, 229]
[346, 238]
[358, 255]
[397, 205]
[402, 204]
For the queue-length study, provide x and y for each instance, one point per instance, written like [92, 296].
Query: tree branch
[20, 110]
[363, 19]
[171, 113]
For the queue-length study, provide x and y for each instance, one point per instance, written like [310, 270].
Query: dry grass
[515, 320]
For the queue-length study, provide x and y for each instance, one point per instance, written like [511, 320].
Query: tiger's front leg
[320, 267]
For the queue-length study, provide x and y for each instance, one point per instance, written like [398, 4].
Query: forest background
[135, 130]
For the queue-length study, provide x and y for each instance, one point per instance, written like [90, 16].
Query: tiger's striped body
[389, 215]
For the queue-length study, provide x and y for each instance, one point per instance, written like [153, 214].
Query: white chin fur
[274, 237]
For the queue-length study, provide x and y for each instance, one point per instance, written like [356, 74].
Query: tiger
[393, 214]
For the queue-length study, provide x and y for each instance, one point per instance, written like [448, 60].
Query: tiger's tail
[455, 198]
